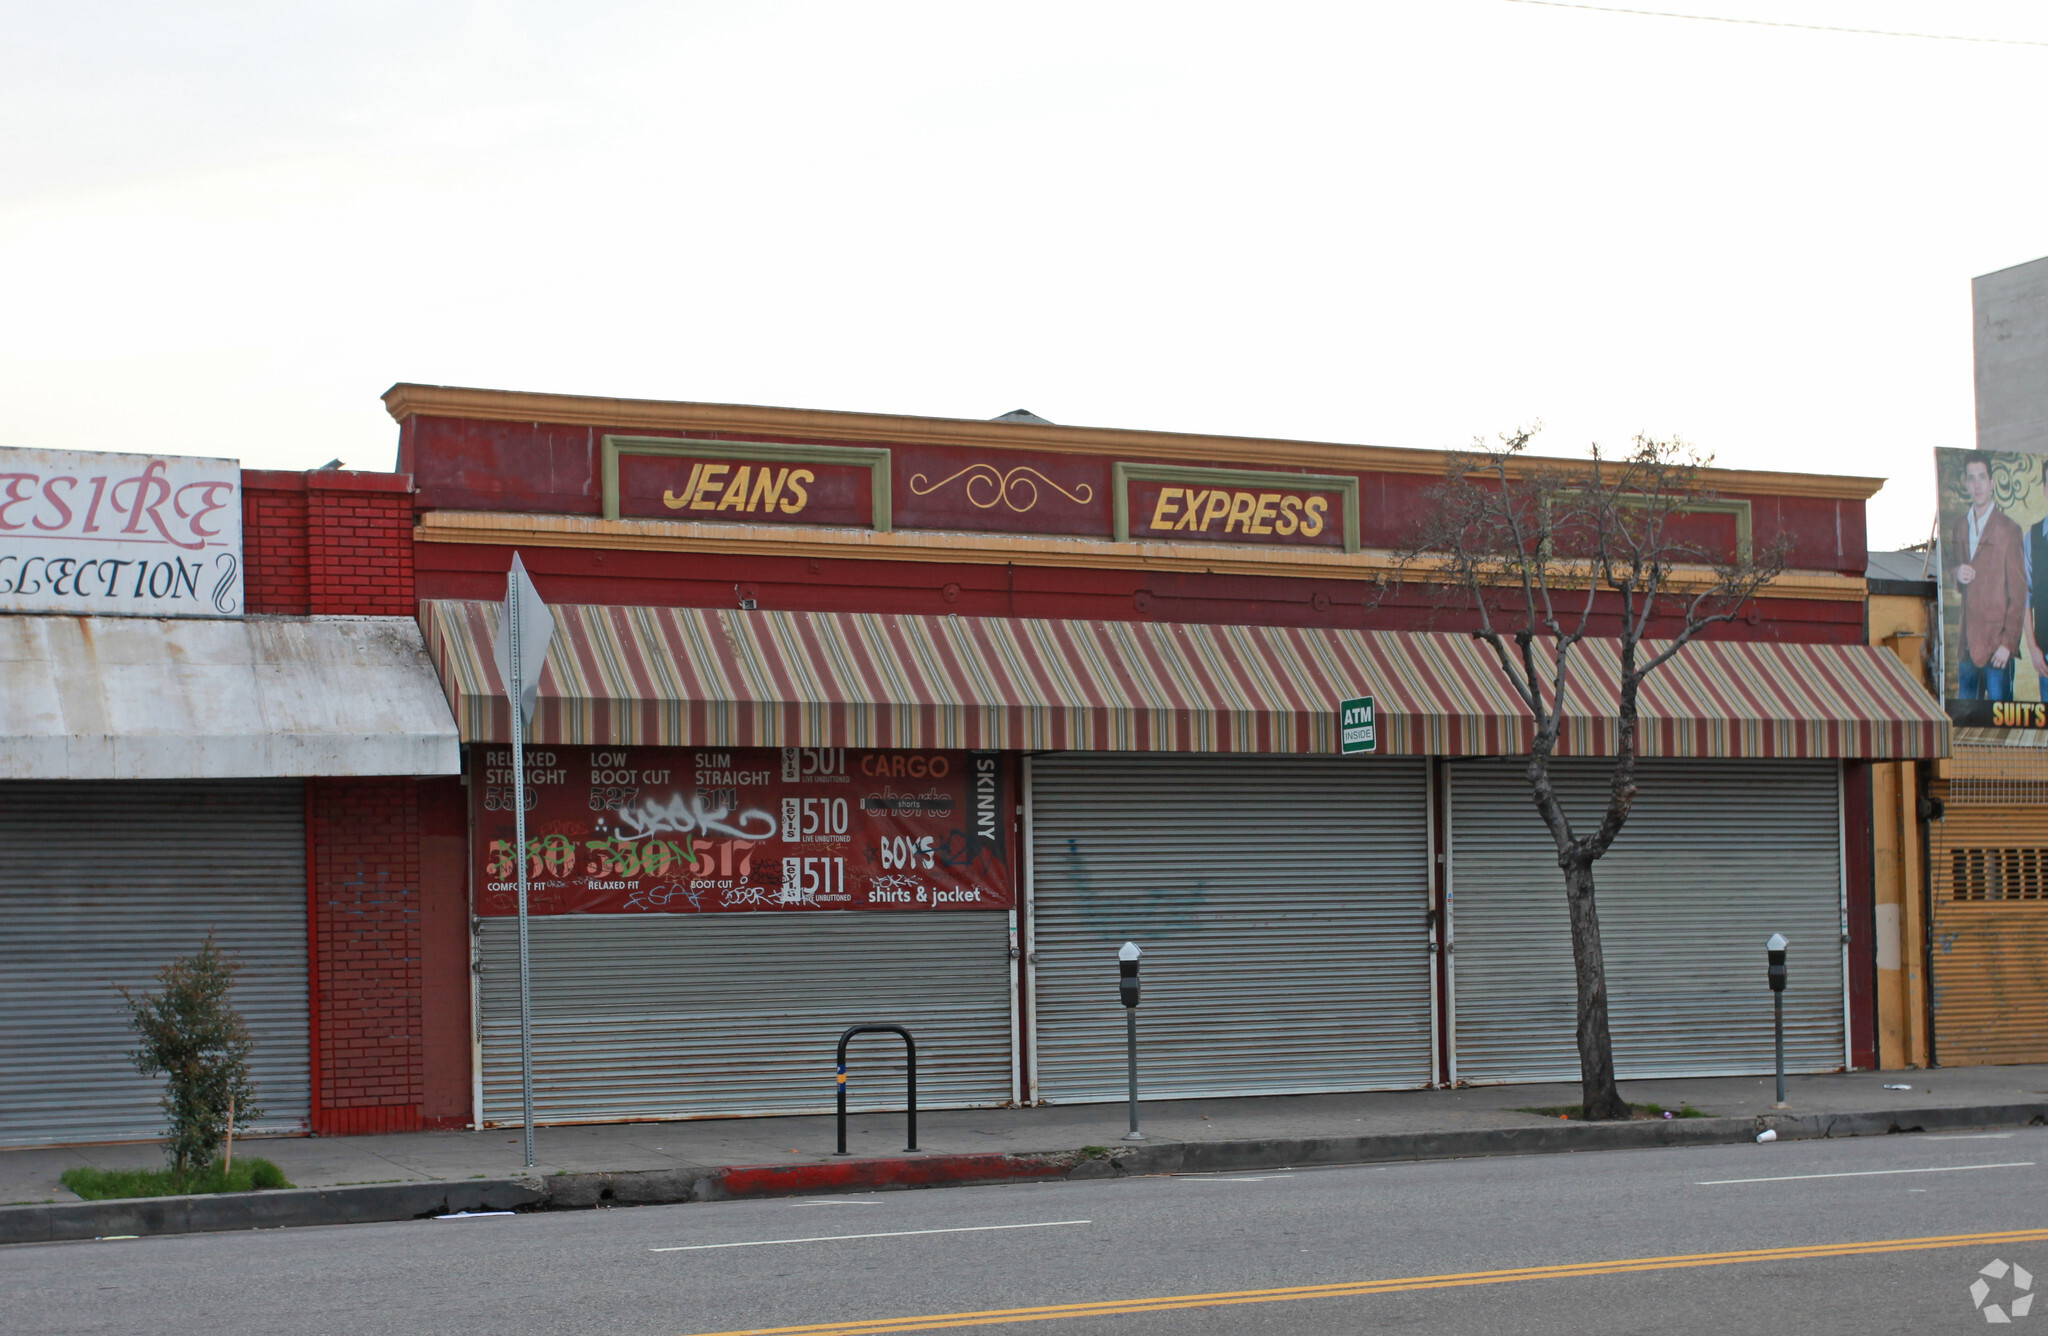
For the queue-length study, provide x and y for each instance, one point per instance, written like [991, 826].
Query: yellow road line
[1347, 1289]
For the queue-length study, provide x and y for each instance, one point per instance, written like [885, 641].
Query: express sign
[631, 830]
[127, 535]
[1234, 514]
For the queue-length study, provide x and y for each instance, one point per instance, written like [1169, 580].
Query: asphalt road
[1398, 1247]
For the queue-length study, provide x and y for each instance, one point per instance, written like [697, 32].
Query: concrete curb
[264, 1210]
[657, 1187]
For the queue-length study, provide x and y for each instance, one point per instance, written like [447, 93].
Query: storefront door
[1988, 881]
[103, 883]
[1282, 905]
[1716, 857]
[704, 922]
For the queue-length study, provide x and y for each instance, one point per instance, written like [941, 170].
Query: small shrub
[245, 1175]
[190, 1035]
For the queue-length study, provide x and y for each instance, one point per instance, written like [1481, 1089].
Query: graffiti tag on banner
[121, 535]
[707, 830]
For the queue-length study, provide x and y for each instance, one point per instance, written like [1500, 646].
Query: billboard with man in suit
[1994, 586]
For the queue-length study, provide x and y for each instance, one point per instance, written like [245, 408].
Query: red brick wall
[444, 951]
[364, 873]
[275, 566]
[338, 543]
[359, 537]
[328, 542]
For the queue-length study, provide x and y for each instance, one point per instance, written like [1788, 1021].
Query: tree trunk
[1599, 1094]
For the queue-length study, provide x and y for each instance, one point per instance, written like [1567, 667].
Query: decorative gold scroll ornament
[1006, 488]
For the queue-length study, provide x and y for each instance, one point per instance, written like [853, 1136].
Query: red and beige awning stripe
[715, 677]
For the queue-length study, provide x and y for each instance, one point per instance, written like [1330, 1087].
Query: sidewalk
[687, 1151]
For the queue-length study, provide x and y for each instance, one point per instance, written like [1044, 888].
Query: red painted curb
[775, 1180]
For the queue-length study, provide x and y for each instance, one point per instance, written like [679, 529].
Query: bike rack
[910, 1051]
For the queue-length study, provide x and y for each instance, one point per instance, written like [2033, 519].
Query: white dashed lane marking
[891, 1234]
[1866, 1173]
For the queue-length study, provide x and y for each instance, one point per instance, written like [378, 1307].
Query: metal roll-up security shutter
[686, 1015]
[103, 884]
[1988, 883]
[1716, 856]
[1281, 903]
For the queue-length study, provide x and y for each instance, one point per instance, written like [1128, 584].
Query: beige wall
[1901, 623]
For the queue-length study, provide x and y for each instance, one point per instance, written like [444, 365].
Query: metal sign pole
[1131, 1070]
[1778, 1008]
[520, 662]
[519, 852]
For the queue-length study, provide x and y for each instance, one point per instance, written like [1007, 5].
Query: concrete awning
[186, 698]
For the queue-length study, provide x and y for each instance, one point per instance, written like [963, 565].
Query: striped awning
[701, 677]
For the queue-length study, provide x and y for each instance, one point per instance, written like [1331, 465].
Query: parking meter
[1774, 951]
[1127, 990]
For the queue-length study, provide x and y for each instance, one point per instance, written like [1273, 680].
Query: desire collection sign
[121, 535]
[668, 830]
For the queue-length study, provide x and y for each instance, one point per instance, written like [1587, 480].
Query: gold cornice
[806, 424]
[515, 530]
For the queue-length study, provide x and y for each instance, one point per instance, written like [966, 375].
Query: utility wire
[1773, 23]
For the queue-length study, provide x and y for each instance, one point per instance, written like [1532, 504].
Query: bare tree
[1547, 555]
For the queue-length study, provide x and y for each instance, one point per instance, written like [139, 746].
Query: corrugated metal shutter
[1716, 856]
[690, 1015]
[1988, 879]
[102, 884]
[1282, 906]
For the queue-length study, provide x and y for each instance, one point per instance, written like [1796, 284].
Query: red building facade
[787, 520]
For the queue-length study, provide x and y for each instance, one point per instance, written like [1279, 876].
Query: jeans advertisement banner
[686, 830]
[1994, 587]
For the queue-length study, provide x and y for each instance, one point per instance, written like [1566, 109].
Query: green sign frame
[1358, 726]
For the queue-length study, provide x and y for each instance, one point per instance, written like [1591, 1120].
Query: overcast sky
[227, 228]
